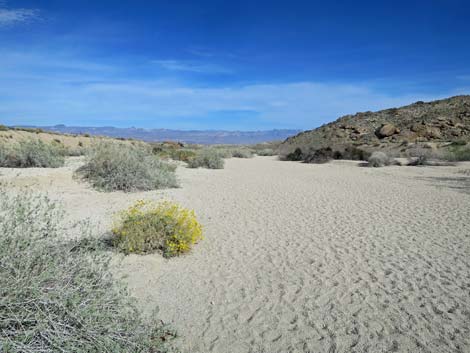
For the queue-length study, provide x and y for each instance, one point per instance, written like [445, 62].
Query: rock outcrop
[433, 122]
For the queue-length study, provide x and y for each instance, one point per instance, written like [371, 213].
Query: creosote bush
[207, 158]
[113, 166]
[148, 227]
[58, 295]
[31, 154]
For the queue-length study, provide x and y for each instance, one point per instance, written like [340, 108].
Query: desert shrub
[207, 158]
[322, 155]
[112, 166]
[458, 153]
[31, 154]
[266, 152]
[296, 155]
[182, 154]
[3, 128]
[225, 152]
[166, 227]
[419, 155]
[458, 143]
[242, 153]
[355, 154]
[60, 296]
[379, 159]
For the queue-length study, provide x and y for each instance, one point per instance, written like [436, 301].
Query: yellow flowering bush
[147, 227]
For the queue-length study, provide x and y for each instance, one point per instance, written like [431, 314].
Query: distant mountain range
[188, 136]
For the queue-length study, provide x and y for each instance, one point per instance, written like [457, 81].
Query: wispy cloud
[72, 90]
[192, 66]
[463, 77]
[10, 17]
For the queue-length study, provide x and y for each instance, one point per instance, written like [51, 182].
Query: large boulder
[386, 130]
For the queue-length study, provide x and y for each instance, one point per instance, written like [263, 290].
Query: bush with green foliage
[3, 128]
[31, 154]
[147, 227]
[58, 295]
[296, 155]
[116, 166]
[458, 153]
[207, 158]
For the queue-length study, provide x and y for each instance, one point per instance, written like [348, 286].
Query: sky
[233, 65]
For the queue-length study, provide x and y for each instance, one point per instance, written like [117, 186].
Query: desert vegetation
[207, 158]
[31, 153]
[242, 153]
[58, 295]
[147, 227]
[380, 159]
[112, 166]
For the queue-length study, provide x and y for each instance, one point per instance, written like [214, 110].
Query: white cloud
[192, 66]
[35, 90]
[9, 17]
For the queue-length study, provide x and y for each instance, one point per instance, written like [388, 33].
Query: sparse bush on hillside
[31, 154]
[166, 227]
[242, 153]
[207, 158]
[3, 128]
[380, 159]
[112, 166]
[58, 295]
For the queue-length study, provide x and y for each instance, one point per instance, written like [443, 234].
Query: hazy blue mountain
[188, 136]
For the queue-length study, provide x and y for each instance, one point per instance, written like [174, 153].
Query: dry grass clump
[380, 159]
[207, 158]
[58, 295]
[31, 154]
[112, 166]
[166, 227]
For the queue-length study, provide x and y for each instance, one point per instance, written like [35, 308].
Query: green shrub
[242, 153]
[297, 155]
[166, 227]
[31, 154]
[207, 158]
[3, 128]
[322, 155]
[458, 154]
[353, 153]
[112, 166]
[60, 296]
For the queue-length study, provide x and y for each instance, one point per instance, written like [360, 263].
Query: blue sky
[242, 65]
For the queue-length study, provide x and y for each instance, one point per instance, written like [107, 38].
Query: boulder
[387, 130]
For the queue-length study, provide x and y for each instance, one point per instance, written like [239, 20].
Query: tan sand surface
[302, 258]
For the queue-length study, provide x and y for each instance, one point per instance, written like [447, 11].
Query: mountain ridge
[186, 136]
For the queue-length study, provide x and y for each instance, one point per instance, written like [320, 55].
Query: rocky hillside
[433, 122]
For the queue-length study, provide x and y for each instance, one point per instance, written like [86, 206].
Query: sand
[301, 258]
